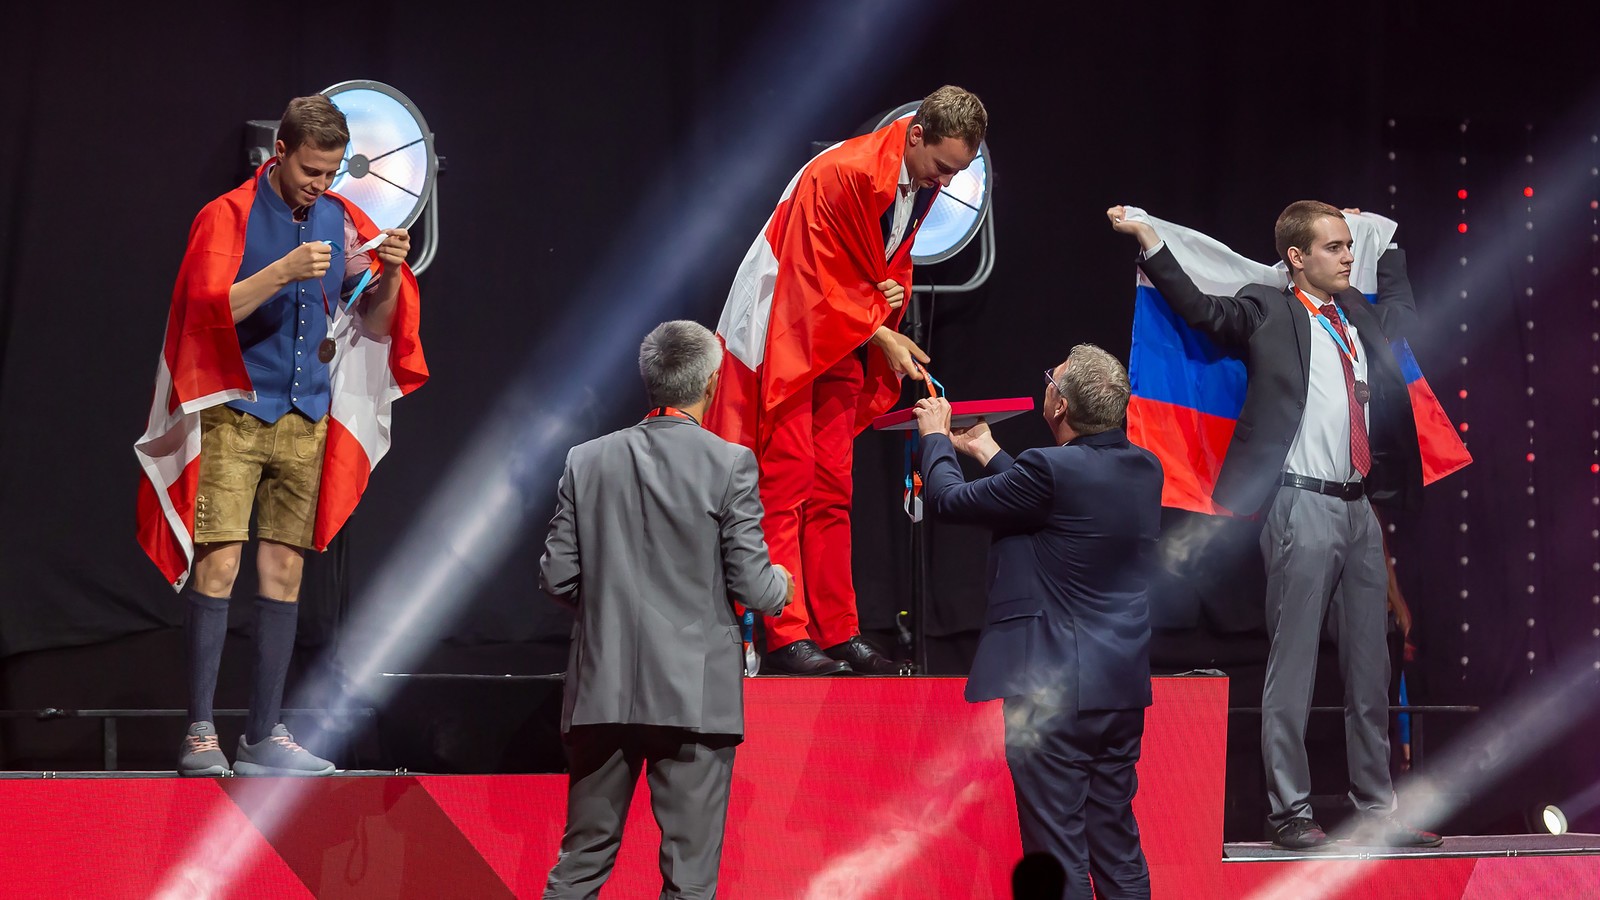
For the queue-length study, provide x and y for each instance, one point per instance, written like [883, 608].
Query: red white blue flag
[201, 366]
[1187, 392]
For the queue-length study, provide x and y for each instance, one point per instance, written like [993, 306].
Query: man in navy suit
[1066, 638]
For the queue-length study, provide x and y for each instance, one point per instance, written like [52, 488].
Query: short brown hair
[1295, 225]
[1095, 386]
[953, 112]
[313, 120]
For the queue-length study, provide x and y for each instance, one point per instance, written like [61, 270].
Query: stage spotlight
[960, 213]
[390, 170]
[390, 166]
[1548, 819]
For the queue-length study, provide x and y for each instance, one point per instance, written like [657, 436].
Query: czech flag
[1187, 392]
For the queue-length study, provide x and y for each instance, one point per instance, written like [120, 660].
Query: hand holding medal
[307, 261]
[392, 246]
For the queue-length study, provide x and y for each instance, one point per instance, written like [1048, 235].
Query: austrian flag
[201, 366]
[804, 296]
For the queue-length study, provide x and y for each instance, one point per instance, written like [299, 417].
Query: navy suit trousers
[1074, 778]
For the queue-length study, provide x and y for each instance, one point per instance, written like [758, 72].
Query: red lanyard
[671, 411]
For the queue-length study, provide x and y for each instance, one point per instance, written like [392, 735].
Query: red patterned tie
[1360, 451]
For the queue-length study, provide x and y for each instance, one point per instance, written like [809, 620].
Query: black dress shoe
[1387, 831]
[803, 657]
[864, 659]
[1301, 833]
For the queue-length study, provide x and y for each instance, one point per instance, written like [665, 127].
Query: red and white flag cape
[201, 366]
[805, 297]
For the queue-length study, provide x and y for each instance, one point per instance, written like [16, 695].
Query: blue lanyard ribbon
[366, 279]
[752, 662]
[1348, 348]
[911, 500]
[361, 285]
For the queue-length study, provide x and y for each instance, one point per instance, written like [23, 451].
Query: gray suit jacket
[656, 528]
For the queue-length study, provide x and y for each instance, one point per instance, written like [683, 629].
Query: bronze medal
[1363, 393]
[326, 348]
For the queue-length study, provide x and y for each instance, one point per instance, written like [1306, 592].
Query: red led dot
[1530, 457]
[1594, 467]
[1527, 192]
[1462, 426]
[1462, 228]
[1463, 393]
[1461, 194]
[1594, 204]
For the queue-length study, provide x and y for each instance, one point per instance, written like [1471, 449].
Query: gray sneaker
[278, 754]
[200, 754]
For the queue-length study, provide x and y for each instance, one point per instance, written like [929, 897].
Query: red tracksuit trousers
[805, 490]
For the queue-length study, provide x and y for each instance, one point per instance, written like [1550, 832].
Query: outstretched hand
[1121, 224]
[975, 441]
[902, 352]
[394, 251]
[307, 261]
[963, 438]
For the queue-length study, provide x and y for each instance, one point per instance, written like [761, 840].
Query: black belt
[1351, 490]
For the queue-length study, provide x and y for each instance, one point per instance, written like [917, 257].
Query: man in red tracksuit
[813, 355]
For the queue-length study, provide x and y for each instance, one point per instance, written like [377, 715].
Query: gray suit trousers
[689, 775]
[1324, 560]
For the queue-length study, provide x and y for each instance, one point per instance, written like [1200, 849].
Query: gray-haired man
[657, 526]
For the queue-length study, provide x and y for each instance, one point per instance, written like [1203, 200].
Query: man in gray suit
[657, 530]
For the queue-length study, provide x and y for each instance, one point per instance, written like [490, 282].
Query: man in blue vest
[265, 452]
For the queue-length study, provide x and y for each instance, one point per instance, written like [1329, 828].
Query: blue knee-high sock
[275, 625]
[205, 623]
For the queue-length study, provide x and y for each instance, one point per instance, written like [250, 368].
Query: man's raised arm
[1228, 320]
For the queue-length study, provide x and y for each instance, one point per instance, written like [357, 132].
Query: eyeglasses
[1050, 378]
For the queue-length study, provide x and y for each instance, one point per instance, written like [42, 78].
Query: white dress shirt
[905, 198]
[1321, 447]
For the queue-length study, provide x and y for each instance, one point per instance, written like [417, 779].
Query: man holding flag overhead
[271, 395]
[1325, 423]
[814, 355]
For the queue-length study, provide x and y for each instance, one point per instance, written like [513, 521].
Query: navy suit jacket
[1075, 532]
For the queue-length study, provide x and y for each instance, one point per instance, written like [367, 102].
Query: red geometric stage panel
[130, 837]
[855, 788]
[894, 787]
[368, 837]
